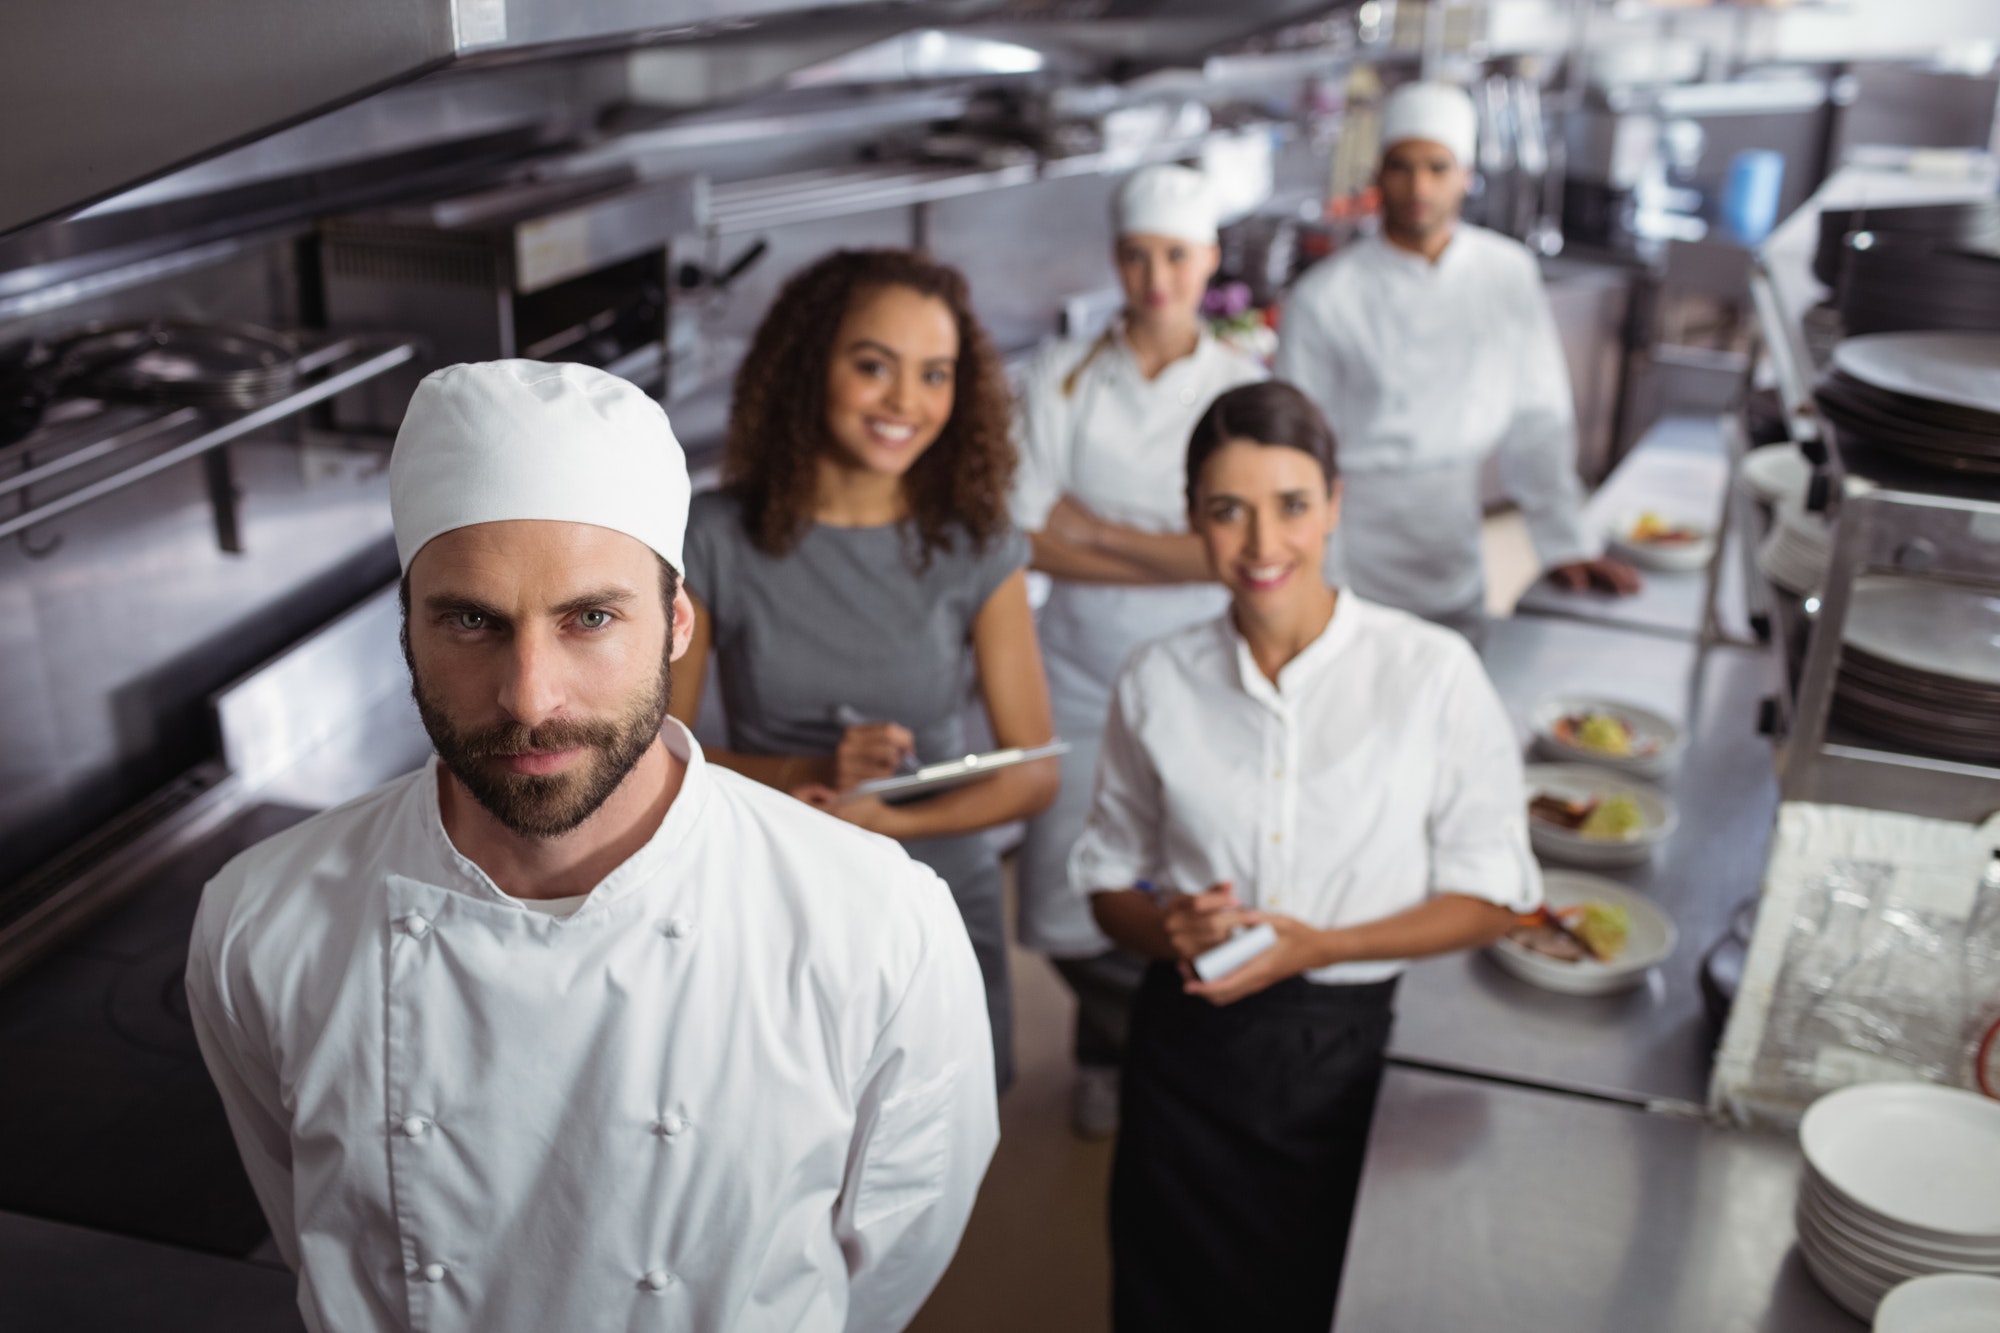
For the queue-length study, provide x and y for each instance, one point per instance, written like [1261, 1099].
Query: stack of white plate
[1900, 1180]
[1919, 666]
[1583, 782]
[1795, 555]
[1775, 473]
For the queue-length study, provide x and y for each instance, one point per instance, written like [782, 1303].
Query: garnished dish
[1603, 733]
[1650, 529]
[1593, 930]
[1610, 818]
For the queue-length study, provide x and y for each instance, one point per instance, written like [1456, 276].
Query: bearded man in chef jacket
[1428, 347]
[569, 1030]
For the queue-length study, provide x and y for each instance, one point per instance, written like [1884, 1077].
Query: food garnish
[1612, 819]
[1593, 930]
[1654, 530]
[1602, 733]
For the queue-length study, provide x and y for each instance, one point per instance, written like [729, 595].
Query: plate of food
[1663, 541]
[1605, 732]
[1593, 817]
[1591, 937]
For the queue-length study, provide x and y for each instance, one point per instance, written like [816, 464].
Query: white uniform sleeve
[1538, 450]
[926, 1125]
[243, 1076]
[1304, 358]
[1042, 429]
[1121, 842]
[1478, 816]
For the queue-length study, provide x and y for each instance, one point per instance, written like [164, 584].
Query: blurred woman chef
[1337, 769]
[1103, 425]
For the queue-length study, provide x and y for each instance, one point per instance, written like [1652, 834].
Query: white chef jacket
[1379, 770]
[1423, 370]
[747, 1085]
[1117, 441]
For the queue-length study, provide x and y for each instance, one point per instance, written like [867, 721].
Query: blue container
[1750, 201]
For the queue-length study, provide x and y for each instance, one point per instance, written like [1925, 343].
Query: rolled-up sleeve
[1121, 842]
[926, 1126]
[1538, 450]
[1478, 814]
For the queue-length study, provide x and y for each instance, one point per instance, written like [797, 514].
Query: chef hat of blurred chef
[1436, 112]
[1166, 201]
[497, 440]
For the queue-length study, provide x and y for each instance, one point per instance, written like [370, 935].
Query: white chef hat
[496, 440]
[1166, 201]
[1437, 112]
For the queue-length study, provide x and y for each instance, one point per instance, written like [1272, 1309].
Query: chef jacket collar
[1205, 342]
[1295, 675]
[1449, 258]
[631, 875]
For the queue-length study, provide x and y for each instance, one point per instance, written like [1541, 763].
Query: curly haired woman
[859, 547]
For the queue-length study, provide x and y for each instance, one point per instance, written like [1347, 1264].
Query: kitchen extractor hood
[98, 96]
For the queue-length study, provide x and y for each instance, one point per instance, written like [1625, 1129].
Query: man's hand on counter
[1600, 575]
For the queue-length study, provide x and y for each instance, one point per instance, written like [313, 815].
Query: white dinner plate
[1649, 941]
[1576, 782]
[1927, 625]
[1941, 1303]
[1775, 472]
[1958, 368]
[1917, 1158]
[1857, 1298]
[1657, 740]
[1847, 1222]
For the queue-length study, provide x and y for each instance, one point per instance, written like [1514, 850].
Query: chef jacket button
[1187, 397]
[434, 1272]
[669, 1125]
[677, 928]
[1277, 837]
[417, 926]
[657, 1279]
[413, 1126]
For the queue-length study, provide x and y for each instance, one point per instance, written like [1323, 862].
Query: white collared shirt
[1423, 370]
[746, 1085]
[1379, 770]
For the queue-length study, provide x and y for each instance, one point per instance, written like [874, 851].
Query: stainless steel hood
[100, 96]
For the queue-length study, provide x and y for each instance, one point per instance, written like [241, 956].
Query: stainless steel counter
[1491, 1207]
[64, 1279]
[1682, 468]
[1462, 1012]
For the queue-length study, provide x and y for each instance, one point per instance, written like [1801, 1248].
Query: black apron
[1242, 1131]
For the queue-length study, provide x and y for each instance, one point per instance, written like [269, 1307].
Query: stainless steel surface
[64, 1279]
[1490, 1207]
[249, 423]
[1462, 1012]
[812, 196]
[1683, 468]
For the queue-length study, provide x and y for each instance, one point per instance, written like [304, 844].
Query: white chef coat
[1116, 441]
[1379, 770]
[747, 1085]
[1423, 370]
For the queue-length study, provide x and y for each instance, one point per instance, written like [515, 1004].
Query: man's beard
[535, 805]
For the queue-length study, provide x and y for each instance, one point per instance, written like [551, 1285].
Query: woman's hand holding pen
[870, 750]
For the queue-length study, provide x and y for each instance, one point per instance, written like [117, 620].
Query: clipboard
[952, 772]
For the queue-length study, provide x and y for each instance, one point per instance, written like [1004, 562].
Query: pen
[847, 715]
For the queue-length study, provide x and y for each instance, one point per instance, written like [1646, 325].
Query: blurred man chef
[1428, 347]
[568, 1029]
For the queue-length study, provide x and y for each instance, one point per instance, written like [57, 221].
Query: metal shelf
[351, 361]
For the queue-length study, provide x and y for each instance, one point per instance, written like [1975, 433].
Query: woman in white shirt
[1337, 769]
[1103, 424]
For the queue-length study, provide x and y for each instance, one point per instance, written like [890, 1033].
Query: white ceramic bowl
[1656, 739]
[1651, 939]
[1669, 557]
[1942, 1303]
[1575, 782]
[1775, 472]
[1914, 1158]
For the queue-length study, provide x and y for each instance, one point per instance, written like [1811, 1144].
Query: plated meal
[1664, 542]
[1585, 815]
[1616, 735]
[1592, 937]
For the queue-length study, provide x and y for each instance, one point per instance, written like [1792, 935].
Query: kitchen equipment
[1775, 472]
[1656, 741]
[1891, 284]
[1577, 782]
[1650, 939]
[1795, 553]
[1918, 665]
[183, 363]
[1974, 224]
[1901, 1180]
